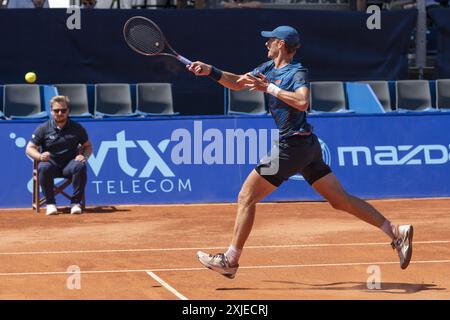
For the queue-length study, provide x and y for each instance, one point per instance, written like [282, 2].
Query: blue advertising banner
[202, 160]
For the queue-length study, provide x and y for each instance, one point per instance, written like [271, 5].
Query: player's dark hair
[291, 48]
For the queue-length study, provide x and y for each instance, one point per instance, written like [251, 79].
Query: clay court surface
[303, 250]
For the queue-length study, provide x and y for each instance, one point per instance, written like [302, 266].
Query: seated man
[56, 144]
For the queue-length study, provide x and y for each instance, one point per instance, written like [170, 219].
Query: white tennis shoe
[75, 208]
[219, 263]
[403, 244]
[51, 210]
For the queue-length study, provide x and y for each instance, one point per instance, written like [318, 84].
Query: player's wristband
[273, 90]
[215, 73]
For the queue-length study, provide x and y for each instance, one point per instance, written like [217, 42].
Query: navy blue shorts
[296, 154]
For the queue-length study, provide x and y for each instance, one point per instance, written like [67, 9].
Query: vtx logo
[121, 145]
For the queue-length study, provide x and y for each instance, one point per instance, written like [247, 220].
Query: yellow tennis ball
[30, 77]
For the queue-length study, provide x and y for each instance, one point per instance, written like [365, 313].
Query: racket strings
[144, 38]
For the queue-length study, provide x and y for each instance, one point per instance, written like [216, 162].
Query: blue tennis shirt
[61, 143]
[290, 121]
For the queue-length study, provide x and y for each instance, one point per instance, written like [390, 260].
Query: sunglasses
[59, 110]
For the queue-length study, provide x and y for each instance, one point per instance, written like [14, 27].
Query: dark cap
[286, 33]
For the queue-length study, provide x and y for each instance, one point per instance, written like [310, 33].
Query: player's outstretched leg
[254, 189]
[401, 236]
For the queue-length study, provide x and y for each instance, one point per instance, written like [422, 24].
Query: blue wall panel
[441, 18]
[38, 40]
[375, 156]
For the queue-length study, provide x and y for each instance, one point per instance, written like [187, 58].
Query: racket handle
[184, 60]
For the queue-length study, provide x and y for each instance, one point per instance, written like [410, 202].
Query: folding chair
[413, 95]
[381, 90]
[113, 100]
[328, 96]
[443, 94]
[22, 101]
[77, 93]
[154, 99]
[59, 189]
[246, 102]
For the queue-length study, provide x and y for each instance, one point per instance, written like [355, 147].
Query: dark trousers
[74, 170]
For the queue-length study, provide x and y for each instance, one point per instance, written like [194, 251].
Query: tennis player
[286, 83]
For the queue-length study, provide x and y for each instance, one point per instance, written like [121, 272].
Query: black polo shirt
[62, 144]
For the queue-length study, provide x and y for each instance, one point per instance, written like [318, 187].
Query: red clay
[113, 247]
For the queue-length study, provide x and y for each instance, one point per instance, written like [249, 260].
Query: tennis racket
[145, 37]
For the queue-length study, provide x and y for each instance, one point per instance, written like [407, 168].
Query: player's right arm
[32, 149]
[227, 79]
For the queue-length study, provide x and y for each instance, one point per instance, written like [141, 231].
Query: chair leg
[83, 201]
[35, 196]
[64, 194]
[36, 201]
[60, 190]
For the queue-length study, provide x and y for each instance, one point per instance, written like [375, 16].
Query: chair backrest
[246, 102]
[381, 90]
[327, 96]
[113, 99]
[443, 94]
[154, 98]
[22, 101]
[413, 95]
[77, 93]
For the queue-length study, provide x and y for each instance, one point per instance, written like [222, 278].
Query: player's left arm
[85, 152]
[86, 148]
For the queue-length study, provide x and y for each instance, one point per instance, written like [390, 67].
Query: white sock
[388, 228]
[233, 255]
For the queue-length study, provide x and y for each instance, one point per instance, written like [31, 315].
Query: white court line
[292, 266]
[166, 285]
[281, 246]
[56, 273]
[235, 204]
